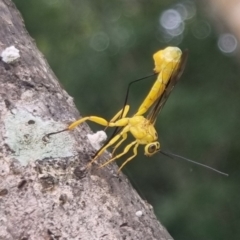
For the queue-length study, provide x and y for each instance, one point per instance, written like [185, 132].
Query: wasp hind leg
[95, 119]
[126, 149]
[119, 115]
[99, 120]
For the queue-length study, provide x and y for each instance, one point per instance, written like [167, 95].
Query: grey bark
[45, 190]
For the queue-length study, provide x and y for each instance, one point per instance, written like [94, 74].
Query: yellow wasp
[169, 63]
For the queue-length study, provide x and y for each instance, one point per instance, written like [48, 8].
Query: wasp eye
[152, 148]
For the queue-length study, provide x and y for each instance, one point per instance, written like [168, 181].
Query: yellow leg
[124, 137]
[130, 158]
[95, 119]
[120, 123]
[126, 149]
[112, 141]
[123, 111]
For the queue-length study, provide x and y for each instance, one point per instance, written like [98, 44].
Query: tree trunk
[45, 190]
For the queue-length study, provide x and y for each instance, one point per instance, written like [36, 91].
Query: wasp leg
[126, 149]
[130, 158]
[95, 119]
[123, 113]
[111, 142]
[124, 137]
[101, 121]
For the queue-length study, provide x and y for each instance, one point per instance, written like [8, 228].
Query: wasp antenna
[124, 104]
[174, 156]
[129, 85]
[142, 78]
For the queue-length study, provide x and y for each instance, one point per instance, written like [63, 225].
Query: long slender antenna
[174, 156]
[129, 85]
[124, 104]
[117, 129]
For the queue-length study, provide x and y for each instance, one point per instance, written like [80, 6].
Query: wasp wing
[157, 107]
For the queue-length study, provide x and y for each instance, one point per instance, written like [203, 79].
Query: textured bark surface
[45, 190]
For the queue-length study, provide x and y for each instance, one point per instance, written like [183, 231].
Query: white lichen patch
[96, 139]
[24, 135]
[10, 54]
[139, 213]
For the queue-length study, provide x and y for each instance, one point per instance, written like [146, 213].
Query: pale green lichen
[24, 136]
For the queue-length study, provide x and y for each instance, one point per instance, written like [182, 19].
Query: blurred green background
[97, 47]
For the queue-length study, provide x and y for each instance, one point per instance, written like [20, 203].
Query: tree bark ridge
[45, 190]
